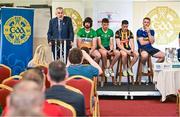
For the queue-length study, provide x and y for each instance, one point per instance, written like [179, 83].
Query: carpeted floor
[137, 107]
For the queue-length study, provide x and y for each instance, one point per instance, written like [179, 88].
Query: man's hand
[50, 44]
[110, 52]
[72, 43]
[91, 51]
[129, 52]
[147, 29]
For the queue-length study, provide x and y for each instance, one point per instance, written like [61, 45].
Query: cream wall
[141, 9]
[26, 2]
[133, 10]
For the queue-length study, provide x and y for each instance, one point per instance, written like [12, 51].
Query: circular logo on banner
[75, 16]
[17, 30]
[164, 21]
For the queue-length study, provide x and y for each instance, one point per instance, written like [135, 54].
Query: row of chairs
[88, 90]
[66, 109]
[139, 74]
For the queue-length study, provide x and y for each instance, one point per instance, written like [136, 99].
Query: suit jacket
[74, 99]
[67, 29]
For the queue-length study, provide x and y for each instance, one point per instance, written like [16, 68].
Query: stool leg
[102, 77]
[113, 77]
[117, 69]
[120, 73]
[140, 73]
[150, 73]
[128, 62]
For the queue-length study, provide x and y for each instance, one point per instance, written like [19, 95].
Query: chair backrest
[12, 81]
[86, 86]
[73, 89]
[5, 72]
[66, 109]
[4, 92]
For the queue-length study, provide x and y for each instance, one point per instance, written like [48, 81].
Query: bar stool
[140, 73]
[120, 72]
[103, 78]
[178, 101]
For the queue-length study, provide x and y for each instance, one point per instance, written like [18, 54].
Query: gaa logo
[76, 18]
[17, 30]
[165, 22]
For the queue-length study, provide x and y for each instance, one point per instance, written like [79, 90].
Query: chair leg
[102, 81]
[178, 103]
[120, 73]
[132, 80]
[128, 62]
[117, 69]
[102, 76]
[140, 73]
[150, 73]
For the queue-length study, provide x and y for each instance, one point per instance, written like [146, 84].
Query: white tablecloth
[167, 81]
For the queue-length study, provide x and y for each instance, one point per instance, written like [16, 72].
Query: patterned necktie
[59, 28]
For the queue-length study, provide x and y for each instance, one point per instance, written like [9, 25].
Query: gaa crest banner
[16, 44]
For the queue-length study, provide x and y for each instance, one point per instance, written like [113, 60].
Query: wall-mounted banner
[16, 44]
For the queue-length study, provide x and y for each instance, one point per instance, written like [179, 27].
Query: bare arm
[91, 61]
[151, 38]
[68, 62]
[94, 44]
[132, 44]
[79, 41]
[142, 41]
[99, 43]
[111, 43]
[120, 46]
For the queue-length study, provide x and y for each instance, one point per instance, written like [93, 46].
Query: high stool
[178, 102]
[120, 72]
[103, 78]
[140, 73]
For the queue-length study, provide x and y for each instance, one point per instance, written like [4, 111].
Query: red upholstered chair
[12, 81]
[4, 92]
[86, 86]
[5, 72]
[67, 110]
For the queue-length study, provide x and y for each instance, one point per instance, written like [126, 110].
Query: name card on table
[166, 66]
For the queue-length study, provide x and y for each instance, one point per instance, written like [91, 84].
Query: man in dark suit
[178, 50]
[56, 76]
[60, 28]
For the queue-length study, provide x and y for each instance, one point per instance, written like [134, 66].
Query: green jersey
[105, 36]
[86, 37]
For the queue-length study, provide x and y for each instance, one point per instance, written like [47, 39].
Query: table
[167, 78]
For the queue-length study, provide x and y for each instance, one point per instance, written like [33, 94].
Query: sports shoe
[125, 73]
[106, 73]
[145, 69]
[130, 72]
[111, 72]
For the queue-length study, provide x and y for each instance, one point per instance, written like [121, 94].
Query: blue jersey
[84, 70]
[179, 35]
[141, 33]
